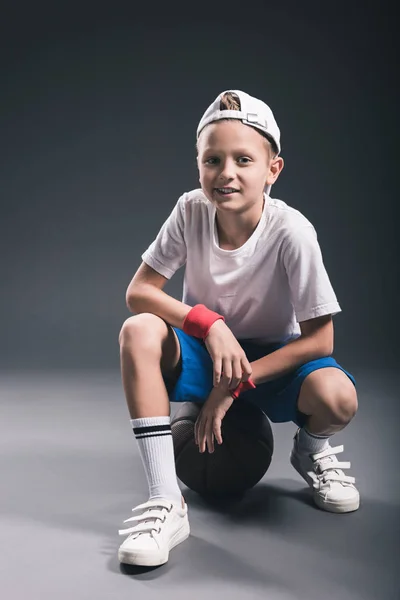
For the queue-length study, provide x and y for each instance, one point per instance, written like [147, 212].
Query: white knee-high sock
[156, 449]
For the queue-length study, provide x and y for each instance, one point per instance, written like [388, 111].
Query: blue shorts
[277, 398]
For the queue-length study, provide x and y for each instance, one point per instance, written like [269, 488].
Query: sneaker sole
[152, 559]
[342, 506]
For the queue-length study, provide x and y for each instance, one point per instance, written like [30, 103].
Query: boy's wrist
[199, 320]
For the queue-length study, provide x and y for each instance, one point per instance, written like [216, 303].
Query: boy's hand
[230, 361]
[208, 423]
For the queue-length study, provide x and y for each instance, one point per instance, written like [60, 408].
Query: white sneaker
[160, 526]
[332, 489]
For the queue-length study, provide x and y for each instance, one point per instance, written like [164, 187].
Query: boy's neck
[235, 230]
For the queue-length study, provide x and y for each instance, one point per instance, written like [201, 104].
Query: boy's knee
[142, 331]
[343, 404]
[346, 404]
[329, 391]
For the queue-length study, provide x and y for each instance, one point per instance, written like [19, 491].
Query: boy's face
[234, 155]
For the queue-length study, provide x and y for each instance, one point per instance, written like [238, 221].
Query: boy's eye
[214, 160]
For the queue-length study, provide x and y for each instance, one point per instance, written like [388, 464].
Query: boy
[254, 324]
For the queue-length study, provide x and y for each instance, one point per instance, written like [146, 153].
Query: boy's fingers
[202, 444]
[227, 371]
[217, 371]
[247, 370]
[210, 442]
[217, 430]
[199, 434]
[236, 374]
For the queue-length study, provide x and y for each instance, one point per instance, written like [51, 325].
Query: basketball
[237, 464]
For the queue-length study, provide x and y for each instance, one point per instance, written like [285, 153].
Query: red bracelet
[198, 321]
[242, 387]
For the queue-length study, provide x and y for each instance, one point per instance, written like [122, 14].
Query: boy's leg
[328, 401]
[147, 347]
[149, 351]
[321, 399]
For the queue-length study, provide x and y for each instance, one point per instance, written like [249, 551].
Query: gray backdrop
[98, 118]
[98, 114]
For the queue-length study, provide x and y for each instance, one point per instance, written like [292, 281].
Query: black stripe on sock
[151, 429]
[149, 435]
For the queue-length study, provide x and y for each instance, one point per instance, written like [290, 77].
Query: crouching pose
[254, 325]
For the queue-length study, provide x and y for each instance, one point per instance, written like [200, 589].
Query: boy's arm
[315, 341]
[144, 294]
[314, 303]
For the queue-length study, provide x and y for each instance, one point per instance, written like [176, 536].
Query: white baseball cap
[253, 112]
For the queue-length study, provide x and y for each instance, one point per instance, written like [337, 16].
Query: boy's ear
[275, 169]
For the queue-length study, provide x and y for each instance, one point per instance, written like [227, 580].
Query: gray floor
[71, 472]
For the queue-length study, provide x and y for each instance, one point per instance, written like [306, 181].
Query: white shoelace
[327, 469]
[146, 522]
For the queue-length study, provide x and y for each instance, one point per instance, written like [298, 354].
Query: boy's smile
[225, 192]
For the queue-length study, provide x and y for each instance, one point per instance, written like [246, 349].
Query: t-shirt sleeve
[167, 253]
[311, 291]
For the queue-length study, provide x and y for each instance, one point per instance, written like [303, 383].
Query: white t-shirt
[264, 288]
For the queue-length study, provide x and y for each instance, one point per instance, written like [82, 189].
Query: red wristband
[242, 387]
[199, 320]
